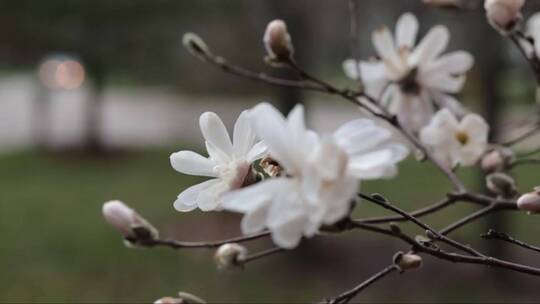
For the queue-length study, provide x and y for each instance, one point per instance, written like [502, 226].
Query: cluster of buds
[504, 15]
[407, 261]
[498, 159]
[230, 255]
[135, 229]
[278, 44]
[530, 202]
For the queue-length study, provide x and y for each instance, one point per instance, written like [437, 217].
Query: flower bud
[126, 220]
[196, 46]
[230, 255]
[530, 201]
[504, 15]
[501, 184]
[497, 160]
[407, 261]
[277, 42]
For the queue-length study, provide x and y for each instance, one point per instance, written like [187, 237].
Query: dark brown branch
[529, 133]
[534, 63]
[347, 296]
[492, 234]
[466, 220]
[262, 254]
[181, 245]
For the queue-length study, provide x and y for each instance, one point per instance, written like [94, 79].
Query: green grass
[55, 246]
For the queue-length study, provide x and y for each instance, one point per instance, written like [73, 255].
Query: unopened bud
[407, 261]
[530, 201]
[277, 42]
[504, 15]
[183, 298]
[444, 3]
[196, 46]
[498, 159]
[501, 184]
[230, 255]
[133, 227]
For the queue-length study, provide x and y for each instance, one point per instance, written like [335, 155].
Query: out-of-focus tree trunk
[94, 106]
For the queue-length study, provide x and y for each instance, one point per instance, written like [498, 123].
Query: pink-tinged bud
[501, 184]
[126, 220]
[504, 15]
[277, 42]
[530, 201]
[407, 261]
[230, 255]
[497, 160]
[183, 298]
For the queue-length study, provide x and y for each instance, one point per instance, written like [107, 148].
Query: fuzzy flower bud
[277, 42]
[501, 184]
[407, 261]
[126, 220]
[196, 46]
[230, 255]
[530, 201]
[497, 160]
[504, 15]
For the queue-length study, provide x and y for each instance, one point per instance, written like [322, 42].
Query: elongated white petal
[475, 126]
[243, 136]
[406, 30]
[445, 83]
[259, 150]
[431, 45]
[210, 198]
[289, 234]
[187, 200]
[350, 67]
[384, 45]
[271, 127]
[191, 163]
[454, 63]
[246, 200]
[216, 155]
[372, 71]
[215, 133]
[255, 220]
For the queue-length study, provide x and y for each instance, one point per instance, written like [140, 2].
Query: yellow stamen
[462, 137]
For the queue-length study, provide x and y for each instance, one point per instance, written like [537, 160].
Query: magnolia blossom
[504, 15]
[228, 164]
[408, 79]
[320, 177]
[456, 142]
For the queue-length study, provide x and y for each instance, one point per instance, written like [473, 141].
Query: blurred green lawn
[55, 246]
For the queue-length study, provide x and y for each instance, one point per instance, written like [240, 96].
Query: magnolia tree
[291, 183]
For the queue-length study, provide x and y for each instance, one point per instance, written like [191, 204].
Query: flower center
[233, 173]
[462, 137]
[408, 84]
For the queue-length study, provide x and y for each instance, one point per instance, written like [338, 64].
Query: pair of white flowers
[320, 179]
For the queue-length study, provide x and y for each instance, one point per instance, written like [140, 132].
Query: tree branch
[181, 245]
[492, 234]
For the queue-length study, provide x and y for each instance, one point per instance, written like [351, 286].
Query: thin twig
[262, 254]
[180, 245]
[347, 296]
[529, 133]
[492, 234]
[525, 161]
[471, 217]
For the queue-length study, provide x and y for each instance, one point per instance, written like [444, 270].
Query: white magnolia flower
[408, 79]
[321, 174]
[456, 142]
[504, 15]
[228, 163]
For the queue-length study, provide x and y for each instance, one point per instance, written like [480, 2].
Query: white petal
[384, 45]
[406, 30]
[271, 127]
[449, 102]
[454, 63]
[289, 234]
[255, 220]
[431, 45]
[372, 71]
[475, 126]
[364, 138]
[341, 197]
[247, 199]
[243, 136]
[311, 183]
[350, 67]
[259, 150]
[216, 154]
[187, 200]
[215, 133]
[209, 199]
[445, 83]
[191, 163]
[375, 164]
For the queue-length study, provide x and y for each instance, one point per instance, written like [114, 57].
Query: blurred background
[95, 95]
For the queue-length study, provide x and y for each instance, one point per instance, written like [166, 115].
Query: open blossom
[504, 15]
[456, 142]
[228, 164]
[409, 79]
[321, 174]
